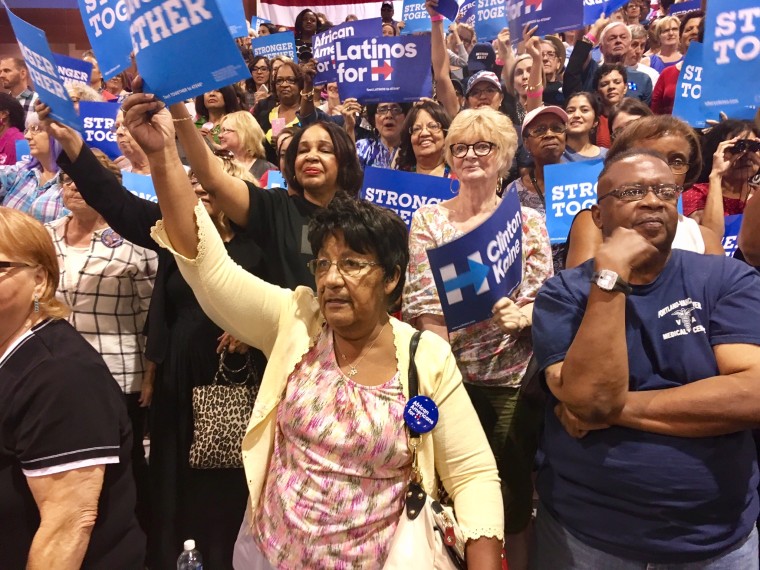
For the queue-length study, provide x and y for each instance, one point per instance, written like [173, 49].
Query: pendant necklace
[352, 370]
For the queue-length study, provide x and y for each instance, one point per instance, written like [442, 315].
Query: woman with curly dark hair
[422, 138]
[11, 127]
[211, 107]
[260, 82]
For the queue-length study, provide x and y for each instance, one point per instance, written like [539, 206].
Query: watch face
[607, 279]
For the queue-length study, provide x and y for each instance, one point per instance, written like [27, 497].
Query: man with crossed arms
[652, 358]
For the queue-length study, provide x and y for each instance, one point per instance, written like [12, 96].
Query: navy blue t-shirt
[641, 495]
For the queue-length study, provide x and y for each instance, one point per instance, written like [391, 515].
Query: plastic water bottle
[190, 559]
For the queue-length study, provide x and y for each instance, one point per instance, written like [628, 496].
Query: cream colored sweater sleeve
[240, 303]
[463, 458]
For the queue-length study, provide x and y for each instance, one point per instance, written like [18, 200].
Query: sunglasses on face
[635, 192]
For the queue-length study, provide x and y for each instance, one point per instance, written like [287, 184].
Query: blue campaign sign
[42, 71]
[415, 17]
[477, 269]
[275, 179]
[405, 192]
[594, 9]
[684, 7]
[490, 18]
[282, 43]
[73, 70]
[384, 69]
[731, 53]
[550, 16]
[448, 8]
[730, 239]
[570, 188]
[22, 150]
[234, 14]
[467, 12]
[323, 45]
[139, 184]
[107, 25]
[688, 104]
[98, 119]
[184, 50]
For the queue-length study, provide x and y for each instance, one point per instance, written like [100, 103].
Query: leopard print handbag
[220, 417]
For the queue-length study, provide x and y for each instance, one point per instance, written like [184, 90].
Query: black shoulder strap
[414, 385]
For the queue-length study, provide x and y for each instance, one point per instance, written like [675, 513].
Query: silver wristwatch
[608, 280]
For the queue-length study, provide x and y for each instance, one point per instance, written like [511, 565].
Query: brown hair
[30, 242]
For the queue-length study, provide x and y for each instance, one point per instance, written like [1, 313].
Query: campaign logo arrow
[385, 70]
[477, 276]
[535, 4]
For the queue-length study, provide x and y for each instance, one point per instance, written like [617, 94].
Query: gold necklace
[352, 370]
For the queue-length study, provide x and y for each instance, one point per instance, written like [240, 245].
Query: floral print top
[339, 469]
[485, 355]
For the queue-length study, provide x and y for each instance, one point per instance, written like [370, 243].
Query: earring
[36, 303]
[454, 189]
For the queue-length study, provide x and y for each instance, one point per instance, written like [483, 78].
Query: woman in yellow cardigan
[327, 469]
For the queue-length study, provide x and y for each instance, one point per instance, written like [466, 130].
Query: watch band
[620, 284]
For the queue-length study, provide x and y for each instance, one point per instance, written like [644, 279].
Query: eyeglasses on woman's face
[260, 68]
[480, 148]
[543, 130]
[432, 127]
[347, 267]
[393, 110]
[285, 81]
[33, 130]
[634, 192]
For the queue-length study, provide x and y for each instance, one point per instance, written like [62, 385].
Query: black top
[59, 405]
[279, 224]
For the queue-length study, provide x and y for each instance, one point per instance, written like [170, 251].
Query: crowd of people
[602, 418]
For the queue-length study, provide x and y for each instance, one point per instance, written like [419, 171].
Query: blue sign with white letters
[323, 45]
[183, 49]
[731, 53]
[73, 70]
[107, 25]
[384, 69]
[43, 72]
[234, 14]
[730, 239]
[415, 17]
[467, 12]
[551, 16]
[685, 7]
[595, 9]
[477, 269]
[282, 43]
[405, 192]
[98, 118]
[570, 188]
[275, 179]
[22, 150]
[139, 184]
[490, 19]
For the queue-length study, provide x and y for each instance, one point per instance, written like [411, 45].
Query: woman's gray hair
[484, 124]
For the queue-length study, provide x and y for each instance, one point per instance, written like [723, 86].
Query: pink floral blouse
[485, 355]
[339, 469]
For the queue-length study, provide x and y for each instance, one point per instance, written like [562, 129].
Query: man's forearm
[714, 406]
[594, 376]
[60, 545]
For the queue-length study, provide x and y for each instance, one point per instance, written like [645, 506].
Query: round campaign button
[110, 238]
[421, 414]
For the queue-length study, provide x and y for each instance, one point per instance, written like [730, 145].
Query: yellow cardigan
[284, 324]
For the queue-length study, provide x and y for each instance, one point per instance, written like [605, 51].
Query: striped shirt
[108, 285]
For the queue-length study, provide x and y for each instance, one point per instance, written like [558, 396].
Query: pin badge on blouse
[421, 414]
[110, 238]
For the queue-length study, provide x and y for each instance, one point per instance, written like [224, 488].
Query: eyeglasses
[225, 130]
[261, 68]
[389, 110]
[549, 54]
[284, 80]
[33, 130]
[480, 148]
[432, 127]
[635, 192]
[12, 264]
[491, 90]
[543, 130]
[346, 267]
[66, 181]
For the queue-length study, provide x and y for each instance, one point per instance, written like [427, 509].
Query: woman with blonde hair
[492, 355]
[65, 473]
[667, 32]
[241, 135]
